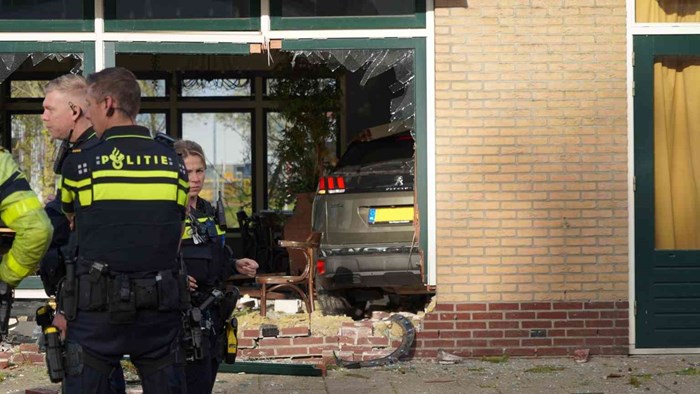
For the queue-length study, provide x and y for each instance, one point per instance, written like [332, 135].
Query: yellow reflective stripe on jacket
[19, 208]
[181, 197]
[135, 174]
[16, 267]
[85, 197]
[134, 191]
[77, 184]
[188, 231]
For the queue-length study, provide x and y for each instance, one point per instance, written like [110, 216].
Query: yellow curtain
[667, 11]
[677, 153]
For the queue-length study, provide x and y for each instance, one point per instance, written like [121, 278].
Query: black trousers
[152, 341]
[201, 374]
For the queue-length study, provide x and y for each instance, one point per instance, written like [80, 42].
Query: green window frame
[52, 25]
[277, 22]
[238, 24]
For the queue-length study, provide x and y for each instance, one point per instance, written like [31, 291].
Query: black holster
[68, 300]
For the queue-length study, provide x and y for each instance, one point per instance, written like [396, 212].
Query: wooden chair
[302, 284]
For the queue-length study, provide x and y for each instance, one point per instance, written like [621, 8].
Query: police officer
[65, 120]
[127, 195]
[209, 264]
[21, 210]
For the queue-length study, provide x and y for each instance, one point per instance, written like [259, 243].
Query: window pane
[667, 11]
[34, 151]
[155, 122]
[347, 8]
[225, 138]
[27, 89]
[44, 9]
[152, 87]
[181, 9]
[676, 150]
[318, 83]
[279, 176]
[221, 87]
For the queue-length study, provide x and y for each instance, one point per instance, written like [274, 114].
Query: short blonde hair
[187, 148]
[68, 83]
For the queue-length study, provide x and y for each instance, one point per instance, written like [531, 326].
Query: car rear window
[394, 147]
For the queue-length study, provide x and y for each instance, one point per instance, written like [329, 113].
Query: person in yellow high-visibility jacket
[21, 211]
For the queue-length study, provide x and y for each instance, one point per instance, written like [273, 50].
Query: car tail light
[331, 185]
[320, 267]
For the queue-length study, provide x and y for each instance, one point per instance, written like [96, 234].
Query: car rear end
[365, 212]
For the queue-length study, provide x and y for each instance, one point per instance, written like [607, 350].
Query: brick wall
[531, 151]
[524, 329]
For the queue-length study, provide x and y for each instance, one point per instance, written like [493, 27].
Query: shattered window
[179, 9]
[216, 87]
[29, 141]
[45, 9]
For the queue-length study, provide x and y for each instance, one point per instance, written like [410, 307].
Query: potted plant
[309, 100]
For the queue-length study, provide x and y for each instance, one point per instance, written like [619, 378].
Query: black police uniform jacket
[128, 194]
[52, 267]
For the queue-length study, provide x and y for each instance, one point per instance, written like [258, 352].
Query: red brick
[431, 317]
[346, 340]
[584, 315]
[461, 343]
[470, 325]
[504, 307]
[622, 305]
[504, 324]
[455, 334]
[246, 343]
[516, 333]
[520, 315]
[257, 353]
[488, 334]
[614, 314]
[613, 332]
[438, 343]
[356, 332]
[537, 342]
[447, 316]
[445, 307]
[294, 332]
[274, 342]
[307, 341]
[345, 355]
[296, 351]
[556, 333]
[582, 333]
[599, 341]
[375, 354]
[622, 323]
[568, 305]
[365, 324]
[463, 316]
[599, 305]
[471, 307]
[427, 335]
[318, 350]
[536, 324]
[328, 357]
[29, 348]
[568, 341]
[551, 315]
[374, 341]
[254, 334]
[539, 306]
[599, 323]
[331, 340]
[521, 352]
[568, 323]
[487, 316]
[428, 325]
[505, 342]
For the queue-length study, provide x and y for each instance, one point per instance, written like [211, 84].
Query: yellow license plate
[390, 215]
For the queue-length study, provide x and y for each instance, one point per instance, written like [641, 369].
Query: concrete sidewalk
[648, 374]
[620, 374]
